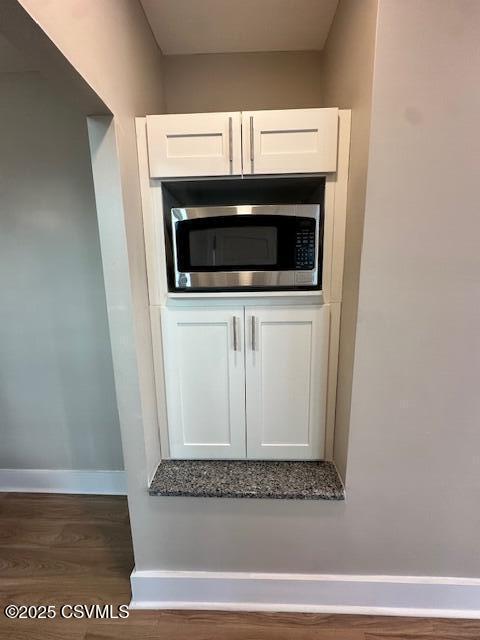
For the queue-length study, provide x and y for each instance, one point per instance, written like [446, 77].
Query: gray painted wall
[347, 77]
[242, 81]
[57, 399]
[112, 47]
[414, 467]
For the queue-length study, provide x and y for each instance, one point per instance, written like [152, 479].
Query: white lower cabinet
[286, 378]
[205, 382]
[246, 382]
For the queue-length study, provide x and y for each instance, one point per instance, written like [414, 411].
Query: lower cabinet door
[286, 382]
[205, 382]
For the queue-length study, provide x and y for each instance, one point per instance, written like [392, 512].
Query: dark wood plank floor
[57, 549]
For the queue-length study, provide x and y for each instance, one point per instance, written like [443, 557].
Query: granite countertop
[248, 479]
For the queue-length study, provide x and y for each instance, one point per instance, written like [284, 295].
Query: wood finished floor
[57, 549]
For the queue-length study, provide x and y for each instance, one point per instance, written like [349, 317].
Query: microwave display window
[234, 246]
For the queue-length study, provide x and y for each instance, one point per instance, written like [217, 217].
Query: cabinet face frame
[334, 243]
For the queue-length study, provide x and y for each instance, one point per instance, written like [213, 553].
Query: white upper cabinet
[290, 141]
[205, 382]
[194, 144]
[252, 142]
[286, 381]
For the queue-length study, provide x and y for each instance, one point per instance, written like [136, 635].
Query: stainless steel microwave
[246, 247]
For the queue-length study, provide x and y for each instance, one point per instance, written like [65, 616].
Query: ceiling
[227, 26]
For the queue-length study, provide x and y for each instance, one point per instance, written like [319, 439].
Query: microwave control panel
[305, 244]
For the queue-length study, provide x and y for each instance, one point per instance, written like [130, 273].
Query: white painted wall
[57, 400]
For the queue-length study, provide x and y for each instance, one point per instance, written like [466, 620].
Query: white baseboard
[63, 481]
[342, 594]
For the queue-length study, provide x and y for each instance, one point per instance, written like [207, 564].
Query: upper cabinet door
[205, 381]
[286, 379]
[290, 141]
[194, 144]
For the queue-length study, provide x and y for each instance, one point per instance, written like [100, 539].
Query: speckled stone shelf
[248, 479]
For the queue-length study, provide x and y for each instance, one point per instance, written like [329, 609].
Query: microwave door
[234, 249]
